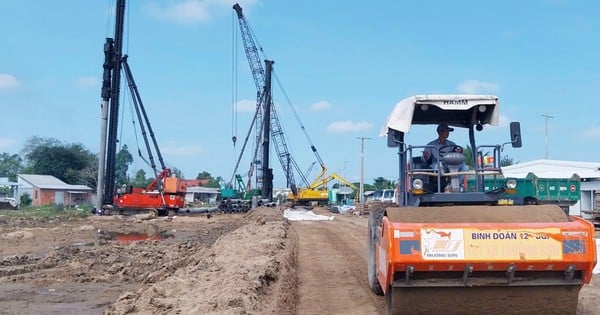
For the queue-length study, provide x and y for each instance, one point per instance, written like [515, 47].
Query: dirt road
[332, 277]
[256, 263]
[336, 250]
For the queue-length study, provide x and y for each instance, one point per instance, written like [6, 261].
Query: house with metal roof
[48, 190]
[589, 173]
[205, 195]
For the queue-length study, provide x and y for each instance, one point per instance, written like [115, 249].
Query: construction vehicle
[317, 193]
[271, 128]
[238, 191]
[534, 190]
[443, 250]
[383, 195]
[237, 198]
[165, 194]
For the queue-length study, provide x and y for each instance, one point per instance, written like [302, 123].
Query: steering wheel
[454, 149]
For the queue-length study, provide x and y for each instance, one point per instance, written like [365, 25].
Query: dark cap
[444, 127]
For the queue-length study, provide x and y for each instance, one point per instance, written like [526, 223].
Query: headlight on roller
[417, 183]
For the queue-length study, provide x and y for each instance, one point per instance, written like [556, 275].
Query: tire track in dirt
[331, 271]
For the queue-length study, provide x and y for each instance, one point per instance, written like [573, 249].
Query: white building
[205, 195]
[589, 172]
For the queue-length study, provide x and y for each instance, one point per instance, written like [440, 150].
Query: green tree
[140, 179]
[25, 199]
[10, 166]
[204, 175]
[212, 182]
[468, 153]
[366, 187]
[5, 191]
[177, 172]
[90, 174]
[122, 161]
[506, 161]
[383, 183]
[66, 162]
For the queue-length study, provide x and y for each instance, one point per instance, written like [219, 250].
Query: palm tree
[468, 153]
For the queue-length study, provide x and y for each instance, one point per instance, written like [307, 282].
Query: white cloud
[6, 143]
[86, 82]
[345, 126]
[187, 12]
[8, 82]
[245, 106]
[183, 150]
[321, 105]
[193, 11]
[477, 87]
[593, 132]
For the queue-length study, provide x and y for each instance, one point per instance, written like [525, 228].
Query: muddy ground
[255, 263]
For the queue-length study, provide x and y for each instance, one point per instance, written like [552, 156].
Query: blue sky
[343, 65]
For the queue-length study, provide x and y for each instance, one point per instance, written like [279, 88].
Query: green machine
[534, 190]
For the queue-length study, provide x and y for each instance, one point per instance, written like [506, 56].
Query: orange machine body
[461, 254]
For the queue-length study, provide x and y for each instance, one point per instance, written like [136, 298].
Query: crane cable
[234, 82]
[289, 102]
[313, 148]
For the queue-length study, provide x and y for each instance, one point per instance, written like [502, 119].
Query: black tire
[375, 218]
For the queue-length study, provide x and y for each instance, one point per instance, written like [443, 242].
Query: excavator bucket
[481, 259]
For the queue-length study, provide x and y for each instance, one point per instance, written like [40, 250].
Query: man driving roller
[441, 145]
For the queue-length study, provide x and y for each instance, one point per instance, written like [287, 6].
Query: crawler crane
[165, 193]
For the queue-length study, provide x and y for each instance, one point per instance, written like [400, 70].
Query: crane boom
[252, 53]
[110, 107]
[164, 194]
[143, 118]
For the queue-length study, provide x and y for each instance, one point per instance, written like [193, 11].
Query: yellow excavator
[317, 192]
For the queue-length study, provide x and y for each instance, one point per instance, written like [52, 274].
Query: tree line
[74, 164]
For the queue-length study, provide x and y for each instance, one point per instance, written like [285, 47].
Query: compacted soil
[253, 263]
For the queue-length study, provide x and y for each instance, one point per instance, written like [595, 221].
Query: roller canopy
[455, 110]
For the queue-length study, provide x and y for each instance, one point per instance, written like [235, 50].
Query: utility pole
[362, 168]
[546, 116]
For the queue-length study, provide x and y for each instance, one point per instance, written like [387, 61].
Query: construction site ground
[253, 263]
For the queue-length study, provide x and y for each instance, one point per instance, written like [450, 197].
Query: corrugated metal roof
[79, 187]
[553, 169]
[50, 182]
[206, 190]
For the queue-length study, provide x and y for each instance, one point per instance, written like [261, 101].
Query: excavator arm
[343, 180]
[323, 180]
